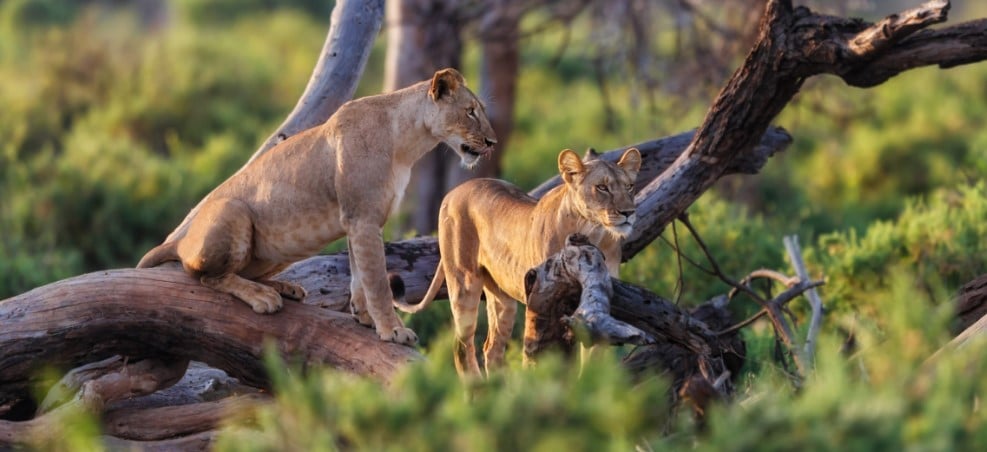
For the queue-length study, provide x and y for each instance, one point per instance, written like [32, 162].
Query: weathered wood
[578, 273]
[151, 424]
[353, 28]
[569, 290]
[163, 312]
[657, 155]
[971, 303]
[793, 44]
[191, 443]
[144, 426]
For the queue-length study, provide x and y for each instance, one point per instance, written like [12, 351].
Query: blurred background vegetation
[116, 120]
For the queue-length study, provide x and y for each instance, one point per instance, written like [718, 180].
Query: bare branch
[795, 255]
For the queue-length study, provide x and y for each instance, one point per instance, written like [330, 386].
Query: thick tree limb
[567, 291]
[142, 424]
[793, 44]
[971, 303]
[191, 443]
[658, 155]
[163, 312]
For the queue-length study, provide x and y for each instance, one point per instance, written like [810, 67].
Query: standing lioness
[491, 233]
[341, 178]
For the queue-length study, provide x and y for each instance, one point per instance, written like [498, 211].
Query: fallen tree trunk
[163, 312]
[572, 293]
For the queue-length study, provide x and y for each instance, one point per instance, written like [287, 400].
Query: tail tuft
[397, 286]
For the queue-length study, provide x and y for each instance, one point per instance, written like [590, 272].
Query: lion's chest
[399, 183]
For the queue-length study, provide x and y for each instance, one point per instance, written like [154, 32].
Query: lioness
[343, 177]
[491, 233]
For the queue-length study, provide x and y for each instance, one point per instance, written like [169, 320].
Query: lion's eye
[471, 112]
[630, 187]
[602, 188]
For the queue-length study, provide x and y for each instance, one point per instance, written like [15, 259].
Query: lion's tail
[167, 251]
[433, 290]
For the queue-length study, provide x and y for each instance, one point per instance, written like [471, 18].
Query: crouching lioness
[343, 177]
[491, 233]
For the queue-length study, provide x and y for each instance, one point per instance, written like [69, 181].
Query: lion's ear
[445, 82]
[569, 165]
[631, 161]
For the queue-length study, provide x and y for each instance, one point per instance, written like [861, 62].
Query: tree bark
[793, 44]
[971, 303]
[571, 297]
[163, 312]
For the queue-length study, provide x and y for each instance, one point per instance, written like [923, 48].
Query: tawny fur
[343, 177]
[491, 233]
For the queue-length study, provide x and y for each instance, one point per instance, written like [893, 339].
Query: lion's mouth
[467, 149]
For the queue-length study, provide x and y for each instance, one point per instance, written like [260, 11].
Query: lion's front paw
[264, 301]
[400, 335]
[288, 290]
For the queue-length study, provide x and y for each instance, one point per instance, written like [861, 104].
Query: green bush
[940, 238]
[109, 141]
[427, 407]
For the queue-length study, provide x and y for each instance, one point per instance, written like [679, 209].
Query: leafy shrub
[940, 238]
[427, 407]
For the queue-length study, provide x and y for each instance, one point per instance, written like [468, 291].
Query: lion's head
[461, 121]
[602, 191]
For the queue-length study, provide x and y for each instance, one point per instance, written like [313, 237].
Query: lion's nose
[489, 142]
[627, 213]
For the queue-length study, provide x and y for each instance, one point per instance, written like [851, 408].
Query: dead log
[163, 312]
[153, 424]
[971, 303]
[191, 443]
[572, 292]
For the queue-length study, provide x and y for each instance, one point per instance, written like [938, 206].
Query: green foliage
[740, 242]
[427, 407]
[883, 397]
[109, 141]
[211, 12]
[940, 239]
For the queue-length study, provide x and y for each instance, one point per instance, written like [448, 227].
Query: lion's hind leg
[217, 246]
[464, 299]
[501, 311]
[262, 298]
